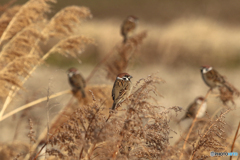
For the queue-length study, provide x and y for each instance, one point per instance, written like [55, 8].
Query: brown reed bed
[85, 129]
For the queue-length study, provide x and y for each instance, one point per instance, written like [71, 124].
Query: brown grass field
[40, 118]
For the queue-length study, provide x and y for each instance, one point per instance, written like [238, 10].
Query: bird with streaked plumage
[121, 89]
[213, 79]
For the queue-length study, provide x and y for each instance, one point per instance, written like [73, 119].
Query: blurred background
[179, 32]
[182, 36]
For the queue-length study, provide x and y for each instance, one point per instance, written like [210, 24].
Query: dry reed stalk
[192, 125]
[7, 16]
[16, 50]
[35, 145]
[101, 91]
[124, 52]
[14, 53]
[61, 24]
[132, 139]
[212, 117]
[31, 133]
[67, 47]
[235, 138]
[213, 137]
[31, 104]
[225, 95]
[89, 134]
[99, 64]
[213, 142]
[116, 61]
[31, 54]
[72, 46]
[32, 11]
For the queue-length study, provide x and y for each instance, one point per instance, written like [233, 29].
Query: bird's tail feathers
[231, 88]
[181, 119]
[114, 106]
[83, 93]
[124, 39]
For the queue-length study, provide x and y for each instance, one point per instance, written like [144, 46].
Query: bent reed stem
[34, 103]
[193, 123]
[15, 89]
[235, 138]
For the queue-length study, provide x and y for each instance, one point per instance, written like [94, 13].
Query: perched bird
[128, 27]
[193, 109]
[121, 89]
[76, 81]
[213, 79]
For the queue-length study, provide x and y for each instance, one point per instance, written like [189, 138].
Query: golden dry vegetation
[40, 118]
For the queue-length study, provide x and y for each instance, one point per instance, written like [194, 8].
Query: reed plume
[142, 131]
[7, 16]
[13, 54]
[84, 129]
[66, 21]
[22, 53]
[119, 62]
[212, 138]
[33, 11]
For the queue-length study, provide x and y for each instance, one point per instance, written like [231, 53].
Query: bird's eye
[125, 78]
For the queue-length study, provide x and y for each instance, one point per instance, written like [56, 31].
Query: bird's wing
[123, 92]
[232, 89]
[130, 25]
[79, 82]
[192, 110]
[83, 81]
[218, 77]
[127, 26]
[113, 91]
[116, 89]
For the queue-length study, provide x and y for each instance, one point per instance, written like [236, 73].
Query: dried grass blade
[235, 138]
[32, 11]
[33, 103]
[7, 16]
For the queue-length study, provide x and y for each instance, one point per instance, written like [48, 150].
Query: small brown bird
[128, 27]
[193, 109]
[76, 81]
[121, 89]
[213, 79]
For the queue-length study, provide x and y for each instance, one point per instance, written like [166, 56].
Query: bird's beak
[131, 77]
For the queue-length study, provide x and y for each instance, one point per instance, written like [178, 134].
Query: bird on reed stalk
[77, 81]
[128, 27]
[121, 89]
[213, 79]
[194, 107]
